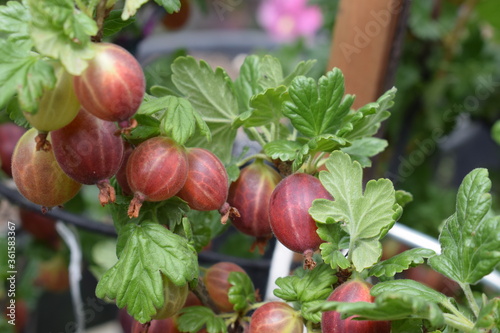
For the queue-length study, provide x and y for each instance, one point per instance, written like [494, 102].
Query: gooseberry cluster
[76, 139]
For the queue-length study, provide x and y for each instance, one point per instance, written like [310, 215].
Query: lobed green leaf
[317, 108]
[62, 32]
[366, 121]
[400, 262]
[302, 68]
[306, 285]
[150, 250]
[362, 149]
[284, 150]
[14, 20]
[389, 306]
[333, 235]
[489, 316]
[241, 293]
[23, 73]
[170, 6]
[211, 94]
[194, 318]
[265, 107]
[270, 72]
[410, 288]
[114, 23]
[365, 216]
[470, 239]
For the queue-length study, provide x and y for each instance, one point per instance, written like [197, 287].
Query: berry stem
[136, 204]
[42, 143]
[106, 192]
[309, 262]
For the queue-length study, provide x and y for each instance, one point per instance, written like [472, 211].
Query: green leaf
[316, 109]
[284, 150]
[131, 6]
[332, 234]
[489, 316]
[23, 73]
[148, 127]
[470, 239]
[270, 72]
[400, 262]
[242, 292]
[14, 19]
[62, 32]
[247, 84]
[193, 318]
[177, 116]
[266, 107]
[170, 6]
[362, 149]
[308, 314]
[390, 306]
[406, 326]
[302, 68]
[410, 288]
[135, 281]
[403, 198]
[372, 115]
[364, 216]
[212, 95]
[178, 121]
[495, 132]
[16, 114]
[206, 226]
[306, 285]
[114, 23]
[326, 143]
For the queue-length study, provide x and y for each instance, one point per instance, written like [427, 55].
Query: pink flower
[287, 20]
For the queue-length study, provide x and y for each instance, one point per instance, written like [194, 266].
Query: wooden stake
[366, 45]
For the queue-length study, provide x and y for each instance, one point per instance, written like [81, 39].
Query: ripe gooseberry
[250, 195]
[113, 85]
[217, 284]
[38, 176]
[10, 133]
[206, 185]
[289, 214]
[88, 151]
[276, 317]
[352, 291]
[156, 171]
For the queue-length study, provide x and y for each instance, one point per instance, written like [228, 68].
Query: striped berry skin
[38, 176]
[58, 106]
[217, 284]
[276, 317]
[87, 149]
[289, 212]
[113, 85]
[206, 185]
[352, 291]
[250, 194]
[156, 171]
[10, 133]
